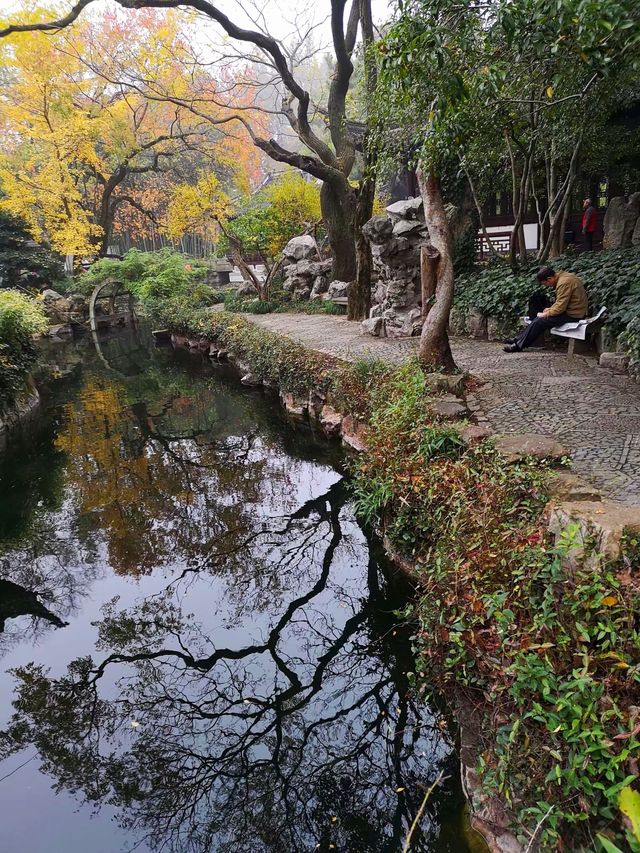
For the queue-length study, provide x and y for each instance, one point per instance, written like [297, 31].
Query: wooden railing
[500, 240]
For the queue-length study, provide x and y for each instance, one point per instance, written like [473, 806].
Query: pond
[199, 644]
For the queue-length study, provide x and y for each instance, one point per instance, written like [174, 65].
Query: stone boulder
[599, 527]
[449, 408]
[49, 295]
[378, 229]
[516, 447]
[294, 405]
[354, 433]
[616, 362]
[330, 420]
[566, 486]
[320, 287]
[300, 248]
[402, 324]
[246, 289]
[372, 326]
[452, 383]
[62, 310]
[620, 222]
[338, 289]
[406, 208]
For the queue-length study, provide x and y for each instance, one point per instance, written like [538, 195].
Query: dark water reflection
[201, 637]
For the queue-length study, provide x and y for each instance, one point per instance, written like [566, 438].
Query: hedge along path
[592, 412]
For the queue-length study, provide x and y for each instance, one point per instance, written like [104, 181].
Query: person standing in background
[589, 223]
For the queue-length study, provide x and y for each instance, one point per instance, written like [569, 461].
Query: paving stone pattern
[594, 413]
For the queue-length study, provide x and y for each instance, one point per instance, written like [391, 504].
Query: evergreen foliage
[21, 317]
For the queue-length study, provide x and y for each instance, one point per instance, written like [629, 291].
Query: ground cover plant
[21, 317]
[610, 278]
[549, 647]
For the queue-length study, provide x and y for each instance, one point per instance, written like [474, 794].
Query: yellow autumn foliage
[197, 208]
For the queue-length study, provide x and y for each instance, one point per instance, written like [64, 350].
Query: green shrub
[20, 319]
[151, 276]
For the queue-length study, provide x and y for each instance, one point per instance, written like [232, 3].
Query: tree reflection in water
[260, 702]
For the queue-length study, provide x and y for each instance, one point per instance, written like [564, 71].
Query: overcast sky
[280, 15]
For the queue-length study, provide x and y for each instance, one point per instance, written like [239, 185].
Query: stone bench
[340, 300]
[576, 330]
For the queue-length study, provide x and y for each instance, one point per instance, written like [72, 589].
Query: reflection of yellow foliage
[109, 480]
[131, 479]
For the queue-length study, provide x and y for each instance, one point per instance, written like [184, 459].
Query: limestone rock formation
[338, 290]
[396, 238]
[305, 277]
[65, 310]
[621, 222]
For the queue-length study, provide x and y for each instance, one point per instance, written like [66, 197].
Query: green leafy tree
[461, 79]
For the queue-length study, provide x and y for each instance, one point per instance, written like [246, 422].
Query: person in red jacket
[589, 222]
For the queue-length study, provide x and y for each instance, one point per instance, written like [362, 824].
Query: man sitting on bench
[570, 306]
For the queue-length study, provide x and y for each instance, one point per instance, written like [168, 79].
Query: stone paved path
[594, 413]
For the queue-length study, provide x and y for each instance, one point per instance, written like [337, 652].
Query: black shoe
[509, 341]
[512, 348]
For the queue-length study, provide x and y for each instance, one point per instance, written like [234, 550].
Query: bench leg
[572, 346]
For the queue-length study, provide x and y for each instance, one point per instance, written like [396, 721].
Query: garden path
[592, 412]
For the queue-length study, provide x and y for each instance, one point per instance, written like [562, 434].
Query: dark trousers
[588, 240]
[527, 337]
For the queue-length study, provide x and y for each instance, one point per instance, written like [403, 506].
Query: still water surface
[199, 648]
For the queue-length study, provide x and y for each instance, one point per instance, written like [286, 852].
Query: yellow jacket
[571, 297]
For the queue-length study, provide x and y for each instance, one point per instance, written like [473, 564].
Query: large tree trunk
[360, 295]
[434, 351]
[338, 213]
